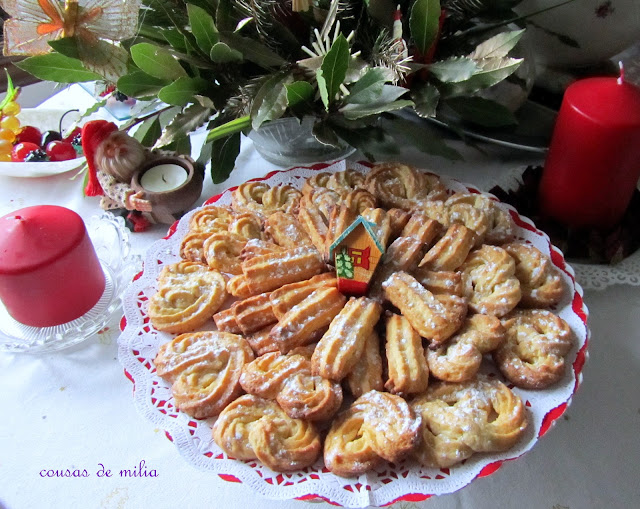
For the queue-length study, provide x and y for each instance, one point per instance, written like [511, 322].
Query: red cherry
[29, 134]
[22, 150]
[58, 150]
[69, 138]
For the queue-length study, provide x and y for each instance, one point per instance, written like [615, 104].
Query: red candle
[593, 163]
[49, 271]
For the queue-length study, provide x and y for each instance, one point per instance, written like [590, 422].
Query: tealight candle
[49, 271]
[593, 163]
[163, 178]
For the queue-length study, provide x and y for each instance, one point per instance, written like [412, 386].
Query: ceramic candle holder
[171, 183]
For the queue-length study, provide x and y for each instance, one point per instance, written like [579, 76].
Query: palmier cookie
[256, 428]
[532, 356]
[341, 347]
[192, 246]
[366, 375]
[207, 385]
[540, 281]
[270, 271]
[434, 317]
[317, 180]
[222, 252]
[284, 229]
[211, 219]
[345, 181]
[378, 426]
[246, 225]
[459, 358]
[407, 366]
[491, 286]
[397, 185]
[307, 320]
[460, 419]
[175, 356]
[188, 294]
[288, 380]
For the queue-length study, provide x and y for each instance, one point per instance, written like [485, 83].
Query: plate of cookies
[354, 333]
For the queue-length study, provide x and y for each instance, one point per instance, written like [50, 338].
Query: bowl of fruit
[37, 142]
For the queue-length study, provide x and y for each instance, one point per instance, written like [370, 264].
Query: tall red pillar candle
[593, 164]
[49, 271]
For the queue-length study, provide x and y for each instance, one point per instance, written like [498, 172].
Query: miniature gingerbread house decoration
[356, 253]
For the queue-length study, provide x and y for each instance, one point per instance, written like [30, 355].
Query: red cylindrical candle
[49, 271]
[593, 164]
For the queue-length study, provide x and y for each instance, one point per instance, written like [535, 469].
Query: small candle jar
[49, 271]
[593, 163]
[172, 184]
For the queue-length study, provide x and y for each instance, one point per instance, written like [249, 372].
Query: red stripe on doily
[410, 497]
[123, 323]
[312, 497]
[168, 435]
[229, 478]
[489, 469]
[551, 416]
[578, 307]
[130, 377]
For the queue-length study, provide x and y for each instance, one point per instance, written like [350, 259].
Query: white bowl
[602, 29]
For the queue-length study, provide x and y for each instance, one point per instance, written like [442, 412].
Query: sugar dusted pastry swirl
[377, 426]
[345, 181]
[366, 375]
[407, 365]
[246, 225]
[491, 286]
[283, 197]
[532, 356]
[451, 250]
[188, 295]
[192, 246]
[540, 281]
[256, 428]
[204, 387]
[248, 197]
[222, 252]
[210, 218]
[315, 181]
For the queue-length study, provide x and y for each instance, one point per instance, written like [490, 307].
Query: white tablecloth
[73, 409]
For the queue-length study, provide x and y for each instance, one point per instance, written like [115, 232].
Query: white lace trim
[138, 345]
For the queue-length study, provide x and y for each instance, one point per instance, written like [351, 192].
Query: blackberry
[119, 96]
[36, 156]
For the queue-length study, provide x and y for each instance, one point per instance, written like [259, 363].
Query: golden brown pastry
[459, 358]
[408, 371]
[451, 250]
[175, 356]
[346, 180]
[366, 375]
[248, 197]
[540, 281]
[256, 428]
[283, 197]
[422, 228]
[192, 246]
[258, 247]
[341, 347]
[402, 255]
[318, 180]
[207, 384]
[382, 224]
[222, 252]
[284, 229]
[377, 426]
[459, 419]
[462, 209]
[238, 287]
[303, 323]
[287, 296]
[532, 356]
[397, 185]
[440, 282]
[359, 200]
[313, 222]
[246, 225]
[211, 219]
[261, 342]
[254, 313]
[225, 321]
[188, 295]
[434, 317]
[267, 272]
[491, 286]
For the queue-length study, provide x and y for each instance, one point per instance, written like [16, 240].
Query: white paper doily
[139, 342]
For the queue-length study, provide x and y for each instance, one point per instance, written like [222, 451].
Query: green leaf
[140, 84]
[223, 159]
[225, 16]
[492, 71]
[253, 50]
[182, 91]
[334, 67]
[221, 53]
[224, 130]
[484, 112]
[156, 61]
[148, 132]
[453, 69]
[67, 46]
[175, 39]
[203, 28]
[322, 88]
[299, 92]
[422, 136]
[270, 102]
[188, 120]
[57, 67]
[424, 23]
[425, 99]
[368, 88]
[375, 109]
[181, 145]
[497, 46]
